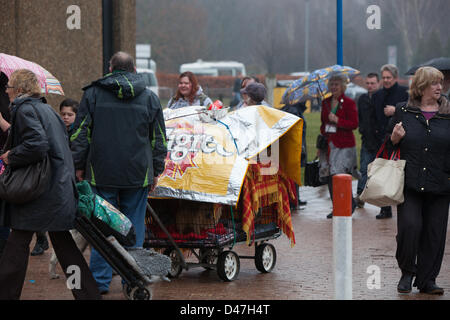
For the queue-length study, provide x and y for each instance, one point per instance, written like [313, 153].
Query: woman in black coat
[38, 131]
[421, 131]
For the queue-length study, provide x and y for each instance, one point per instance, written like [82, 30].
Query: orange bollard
[342, 195]
[342, 236]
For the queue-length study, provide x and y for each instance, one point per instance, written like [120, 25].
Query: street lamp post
[339, 28]
[306, 35]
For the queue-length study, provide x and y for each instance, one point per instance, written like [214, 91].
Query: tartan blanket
[210, 233]
[259, 191]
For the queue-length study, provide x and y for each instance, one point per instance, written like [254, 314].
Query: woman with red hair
[189, 93]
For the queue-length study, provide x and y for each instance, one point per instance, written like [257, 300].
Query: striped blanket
[260, 191]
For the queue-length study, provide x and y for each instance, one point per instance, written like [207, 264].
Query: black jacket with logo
[120, 135]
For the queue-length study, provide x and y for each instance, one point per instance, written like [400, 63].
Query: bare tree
[175, 29]
[415, 20]
[269, 36]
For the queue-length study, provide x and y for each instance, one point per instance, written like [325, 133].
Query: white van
[215, 68]
[151, 81]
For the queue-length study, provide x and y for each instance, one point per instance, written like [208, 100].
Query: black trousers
[421, 231]
[14, 263]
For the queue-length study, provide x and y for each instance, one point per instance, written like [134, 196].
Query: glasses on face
[8, 87]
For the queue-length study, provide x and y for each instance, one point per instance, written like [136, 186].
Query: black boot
[2, 246]
[41, 244]
[330, 215]
[385, 213]
[432, 288]
[404, 285]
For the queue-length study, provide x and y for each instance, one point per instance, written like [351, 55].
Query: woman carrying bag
[420, 129]
[38, 134]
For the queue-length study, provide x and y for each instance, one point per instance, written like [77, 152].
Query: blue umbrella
[315, 84]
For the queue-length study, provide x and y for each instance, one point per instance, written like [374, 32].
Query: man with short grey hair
[385, 101]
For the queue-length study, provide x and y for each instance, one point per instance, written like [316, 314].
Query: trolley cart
[137, 284]
[246, 160]
[212, 241]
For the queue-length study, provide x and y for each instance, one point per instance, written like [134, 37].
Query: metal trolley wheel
[265, 257]
[137, 293]
[228, 266]
[209, 256]
[176, 263]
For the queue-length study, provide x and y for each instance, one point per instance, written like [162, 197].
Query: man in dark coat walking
[385, 101]
[366, 121]
[119, 147]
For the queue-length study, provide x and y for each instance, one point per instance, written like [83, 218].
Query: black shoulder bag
[24, 184]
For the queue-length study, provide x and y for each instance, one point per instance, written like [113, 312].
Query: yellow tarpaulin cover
[209, 151]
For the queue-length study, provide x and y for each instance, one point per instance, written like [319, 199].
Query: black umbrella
[442, 64]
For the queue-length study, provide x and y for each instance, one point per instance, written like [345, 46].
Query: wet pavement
[304, 272]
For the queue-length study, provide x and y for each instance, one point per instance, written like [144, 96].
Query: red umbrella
[49, 84]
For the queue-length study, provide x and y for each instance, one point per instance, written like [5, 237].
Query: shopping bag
[25, 184]
[109, 220]
[312, 178]
[385, 181]
[321, 142]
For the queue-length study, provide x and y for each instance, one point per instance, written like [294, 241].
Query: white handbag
[385, 181]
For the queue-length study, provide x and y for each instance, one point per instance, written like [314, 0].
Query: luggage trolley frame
[218, 256]
[136, 284]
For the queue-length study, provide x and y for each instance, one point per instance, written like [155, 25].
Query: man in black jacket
[385, 101]
[298, 109]
[119, 146]
[366, 120]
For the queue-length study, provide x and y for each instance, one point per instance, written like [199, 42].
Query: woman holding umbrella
[339, 118]
[36, 132]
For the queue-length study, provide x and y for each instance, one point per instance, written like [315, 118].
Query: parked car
[150, 77]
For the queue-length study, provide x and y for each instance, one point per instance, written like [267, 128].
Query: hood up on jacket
[124, 85]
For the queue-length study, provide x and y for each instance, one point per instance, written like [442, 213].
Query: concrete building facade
[67, 37]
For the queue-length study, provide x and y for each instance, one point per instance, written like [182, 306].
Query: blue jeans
[366, 157]
[133, 204]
